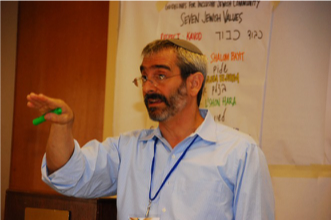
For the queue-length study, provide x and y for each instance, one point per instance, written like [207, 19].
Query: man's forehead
[154, 67]
[158, 61]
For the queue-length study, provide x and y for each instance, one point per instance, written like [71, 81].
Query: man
[188, 168]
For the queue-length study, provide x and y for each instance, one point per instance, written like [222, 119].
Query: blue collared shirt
[224, 175]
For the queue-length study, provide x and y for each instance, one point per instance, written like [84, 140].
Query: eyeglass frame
[157, 79]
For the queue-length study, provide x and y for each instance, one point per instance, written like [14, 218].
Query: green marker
[41, 119]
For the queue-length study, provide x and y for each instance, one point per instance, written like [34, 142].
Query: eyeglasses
[157, 79]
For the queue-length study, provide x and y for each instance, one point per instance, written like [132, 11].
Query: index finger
[41, 102]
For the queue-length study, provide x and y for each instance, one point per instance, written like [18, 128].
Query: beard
[173, 104]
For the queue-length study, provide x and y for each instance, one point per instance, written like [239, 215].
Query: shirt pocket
[199, 198]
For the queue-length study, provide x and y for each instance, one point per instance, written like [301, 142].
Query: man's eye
[144, 78]
[161, 77]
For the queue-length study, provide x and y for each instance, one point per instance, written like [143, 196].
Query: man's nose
[149, 86]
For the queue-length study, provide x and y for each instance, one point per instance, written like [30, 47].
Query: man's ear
[194, 83]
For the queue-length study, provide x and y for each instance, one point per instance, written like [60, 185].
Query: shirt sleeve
[91, 171]
[253, 195]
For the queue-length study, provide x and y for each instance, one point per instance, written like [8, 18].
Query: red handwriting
[237, 56]
[170, 36]
[194, 36]
[215, 57]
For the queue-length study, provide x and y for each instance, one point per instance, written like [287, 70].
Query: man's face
[163, 98]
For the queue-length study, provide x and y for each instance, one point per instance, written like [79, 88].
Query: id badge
[144, 218]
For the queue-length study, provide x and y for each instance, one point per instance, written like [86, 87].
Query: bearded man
[189, 167]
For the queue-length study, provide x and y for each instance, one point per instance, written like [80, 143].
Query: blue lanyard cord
[171, 171]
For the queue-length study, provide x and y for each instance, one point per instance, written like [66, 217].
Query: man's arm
[254, 197]
[60, 145]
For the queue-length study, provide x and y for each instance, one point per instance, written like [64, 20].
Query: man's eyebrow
[158, 66]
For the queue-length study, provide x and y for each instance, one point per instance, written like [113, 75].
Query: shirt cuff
[69, 173]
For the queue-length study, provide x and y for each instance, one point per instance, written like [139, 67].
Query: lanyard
[168, 175]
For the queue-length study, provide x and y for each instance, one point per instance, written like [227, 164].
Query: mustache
[155, 96]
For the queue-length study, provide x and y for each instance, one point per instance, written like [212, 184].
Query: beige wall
[8, 57]
[114, 10]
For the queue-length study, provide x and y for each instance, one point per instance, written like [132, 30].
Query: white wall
[296, 137]
[296, 134]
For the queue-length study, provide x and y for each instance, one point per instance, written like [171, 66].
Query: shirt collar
[207, 130]
[150, 134]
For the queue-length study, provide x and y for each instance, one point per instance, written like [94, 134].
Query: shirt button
[164, 210]
[173, 156]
